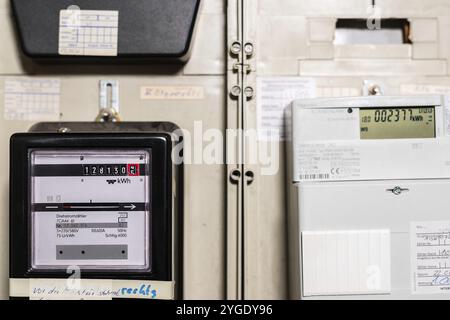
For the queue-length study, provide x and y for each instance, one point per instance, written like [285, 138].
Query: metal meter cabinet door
[63, 211]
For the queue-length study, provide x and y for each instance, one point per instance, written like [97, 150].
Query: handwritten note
[430, 257]
[172, 93]
[90, 289]
[68, 289]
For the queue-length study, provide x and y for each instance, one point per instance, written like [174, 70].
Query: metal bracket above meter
[106, 30]
[101, 197]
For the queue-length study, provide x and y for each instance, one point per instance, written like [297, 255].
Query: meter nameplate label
[371, 160]
[430, 257]
[327, 161]
[88, 32]
[90, 209]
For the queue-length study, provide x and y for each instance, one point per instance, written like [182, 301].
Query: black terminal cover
[148, 29]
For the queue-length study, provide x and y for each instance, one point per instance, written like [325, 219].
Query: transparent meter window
[90, 209]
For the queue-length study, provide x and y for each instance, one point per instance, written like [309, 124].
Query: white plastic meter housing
[369, 207]
[102, 198]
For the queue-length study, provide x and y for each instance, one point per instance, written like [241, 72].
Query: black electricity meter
[101, 200]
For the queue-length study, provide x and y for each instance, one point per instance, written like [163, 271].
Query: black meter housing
[160, 182]
[147, 29]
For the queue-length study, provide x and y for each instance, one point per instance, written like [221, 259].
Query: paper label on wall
[88, 32]
[430, 257]
[274, 94]
[32, 99]
[346, 262]
[172, 93]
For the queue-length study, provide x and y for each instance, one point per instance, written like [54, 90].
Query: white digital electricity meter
[369, 203]
[100, 198]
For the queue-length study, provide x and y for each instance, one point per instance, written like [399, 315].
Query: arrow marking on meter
[92, 207]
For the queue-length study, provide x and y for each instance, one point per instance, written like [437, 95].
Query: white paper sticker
[88, 32]
[32, 99]
[274, 94]
[430, 257]
[346, 262]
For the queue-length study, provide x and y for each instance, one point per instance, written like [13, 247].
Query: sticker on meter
[91, 209]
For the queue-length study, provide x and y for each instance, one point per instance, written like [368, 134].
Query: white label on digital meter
[90, 209]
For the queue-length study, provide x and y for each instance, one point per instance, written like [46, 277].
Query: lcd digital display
[397, 123]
